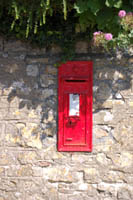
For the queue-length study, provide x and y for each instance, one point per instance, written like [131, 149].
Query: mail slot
[75, 106]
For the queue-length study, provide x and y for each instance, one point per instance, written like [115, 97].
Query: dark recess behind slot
[75, 80]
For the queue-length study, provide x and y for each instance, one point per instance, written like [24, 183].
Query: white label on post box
[73, 104]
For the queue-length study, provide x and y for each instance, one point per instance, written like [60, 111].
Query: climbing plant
[64, 21]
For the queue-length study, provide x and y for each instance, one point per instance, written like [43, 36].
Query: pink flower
[122, 13]
[97, 33]
[108, 36]
[130, 14]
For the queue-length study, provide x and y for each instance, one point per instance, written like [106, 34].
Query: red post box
[75, 106]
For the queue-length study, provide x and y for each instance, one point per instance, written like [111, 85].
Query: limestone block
[19, 171]
[129, 178]
[2, 195]
[3, 159]
[6, 103]
[27, 157]
[46, 80]
[66, 188]
[47, 93]
[91, 175]
[113, 177]
[37, 171]
[20, 88]
[12, 137]
[50, 131]
[32, 136]
[12, 67]
[42, 163]
[35, 51]
[25, 136]
[50, 69]
[34, 113]
[130, 60]
[31, 185]
[32, 70]
[62, 196]
[7, 158]
[56, 174]
[120, 114]
[51, 152]
[101, 147]
[92, 191]
[81, 196]
[83, 187]
[118, 105]
[104, 74]
[103, 160]
[123, 161]
[8, 185]
[35, 196]
[124, 130]
[103, 92]
[118, 96]
[126, 159]
[14, 113]
[81, 47]
[100, 132]
[14, 195]
[103, 186]
[125, 92]
[108, 117]
[5, 90]
[124, 194]
[82, 160]
[55, 49]
[108, 73]
[18, 195]
[14, 46]
[103, 117]
[50, 128]
[119, 75]
[121, 85]
[35, 60]
[105, 104]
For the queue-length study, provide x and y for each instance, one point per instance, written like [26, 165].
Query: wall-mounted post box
[75, 106]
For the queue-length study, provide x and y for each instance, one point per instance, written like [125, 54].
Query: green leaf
[81, 6]
[65, 9]
[95, 5]
[87, 19]
[107, 22]
[104, 17]
[130, 34]
[114, 3]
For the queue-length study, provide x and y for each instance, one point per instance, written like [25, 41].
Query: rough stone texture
[31, 168]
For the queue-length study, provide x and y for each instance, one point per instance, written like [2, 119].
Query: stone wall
[31, 168]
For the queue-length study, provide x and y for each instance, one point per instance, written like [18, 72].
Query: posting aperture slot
[75, 81]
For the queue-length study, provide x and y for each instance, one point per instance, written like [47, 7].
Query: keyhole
[70, 122]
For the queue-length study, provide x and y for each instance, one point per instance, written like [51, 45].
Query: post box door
[75, 106]
[74, 119]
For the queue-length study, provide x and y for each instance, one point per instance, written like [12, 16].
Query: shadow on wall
[28, 95]
[28, 92]
[113, 82]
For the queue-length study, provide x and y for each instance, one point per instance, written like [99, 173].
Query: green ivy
[44, 22]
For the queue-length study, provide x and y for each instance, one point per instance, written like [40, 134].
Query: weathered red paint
[75, 132]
